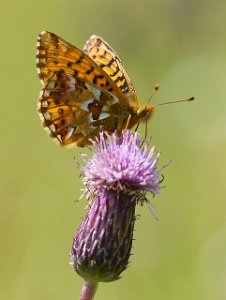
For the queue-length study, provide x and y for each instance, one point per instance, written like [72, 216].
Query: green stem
[88, 290]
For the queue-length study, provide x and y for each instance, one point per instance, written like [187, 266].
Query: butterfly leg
[127, 122]
[138, 124]
[145, 134]
[146, 130]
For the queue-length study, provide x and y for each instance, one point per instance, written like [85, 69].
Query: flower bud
[101, 248]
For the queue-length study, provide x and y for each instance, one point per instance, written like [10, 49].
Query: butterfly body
[84, 92]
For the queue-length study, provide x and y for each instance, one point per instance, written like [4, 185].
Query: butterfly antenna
[156, 88]
[175, 101]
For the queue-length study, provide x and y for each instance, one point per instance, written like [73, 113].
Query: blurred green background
[182, 46]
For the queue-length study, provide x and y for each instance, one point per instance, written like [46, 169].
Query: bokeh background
[182, 46]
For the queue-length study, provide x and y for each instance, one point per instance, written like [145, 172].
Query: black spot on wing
[60, 111]
[115, 73]
[79, 60]
[96, 77]
[124, 87]
[108, 64]
[120, 78]
[90, 70]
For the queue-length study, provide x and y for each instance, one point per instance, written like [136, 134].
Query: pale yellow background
[182, 46]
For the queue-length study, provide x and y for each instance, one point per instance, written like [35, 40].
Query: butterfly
[84, 92]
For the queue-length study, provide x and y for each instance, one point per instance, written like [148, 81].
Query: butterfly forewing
[55, 54]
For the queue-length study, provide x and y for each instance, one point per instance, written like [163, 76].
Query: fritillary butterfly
[84, 92]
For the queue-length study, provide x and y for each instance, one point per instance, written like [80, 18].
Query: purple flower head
[117, 176]
[122, 164]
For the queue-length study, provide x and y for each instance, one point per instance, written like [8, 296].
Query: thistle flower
[118, 176]
[121, 163]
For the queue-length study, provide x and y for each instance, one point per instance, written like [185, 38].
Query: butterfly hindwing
[103, 55]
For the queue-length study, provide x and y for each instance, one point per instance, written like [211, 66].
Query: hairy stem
[88, 290]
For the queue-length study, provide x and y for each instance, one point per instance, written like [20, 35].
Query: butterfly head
[144, 112]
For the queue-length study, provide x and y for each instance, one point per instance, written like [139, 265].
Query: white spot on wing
[42, 33]
[84, 105]
[52, 128]
[46, 93]
[41, 117]
[70, 132]
[51, 83]
[104, 116]
[96, 92]
[115, 99]
[71, 83]
[105, 108]
[44, 104]
[47, 116]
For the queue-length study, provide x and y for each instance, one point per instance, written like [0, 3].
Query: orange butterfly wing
[78, 98]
